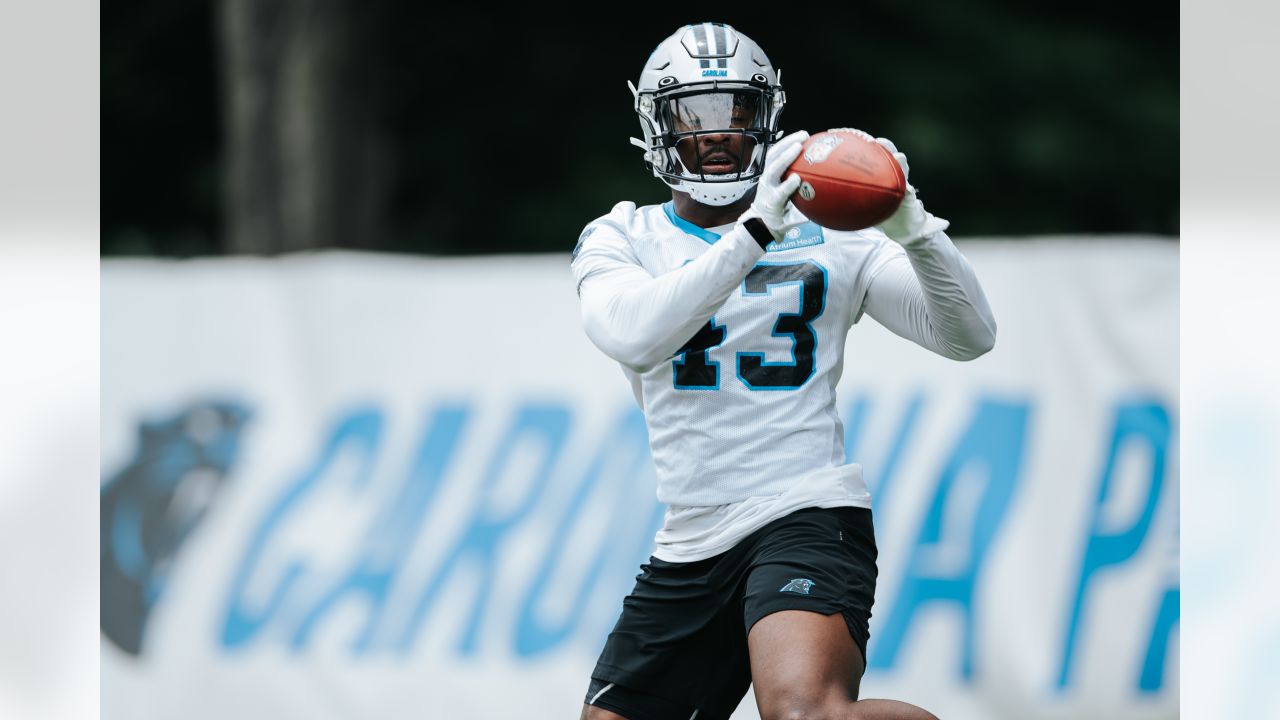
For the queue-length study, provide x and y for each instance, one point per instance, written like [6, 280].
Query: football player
[728, 310]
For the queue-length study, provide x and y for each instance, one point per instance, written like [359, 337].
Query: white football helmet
[708, 102]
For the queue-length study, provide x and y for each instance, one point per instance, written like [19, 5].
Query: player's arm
[927, 292]
[640, 320]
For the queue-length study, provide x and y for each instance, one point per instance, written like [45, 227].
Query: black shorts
[681, 642]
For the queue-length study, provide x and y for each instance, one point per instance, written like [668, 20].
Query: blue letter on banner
[622, 469]
[993, 446]
[390, 536]
[1143, 422]
[543, 426]
[358, 432]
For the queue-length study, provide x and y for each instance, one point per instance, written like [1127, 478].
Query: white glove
[772, 192]
[911, 221]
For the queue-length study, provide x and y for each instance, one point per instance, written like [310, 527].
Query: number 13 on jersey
[694, 369]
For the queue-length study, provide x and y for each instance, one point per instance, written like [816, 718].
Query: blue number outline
[681, 359]
[768, 290]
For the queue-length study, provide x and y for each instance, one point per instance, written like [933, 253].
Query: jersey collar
[703, 234]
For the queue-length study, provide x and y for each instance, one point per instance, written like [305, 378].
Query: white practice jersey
[734, 354]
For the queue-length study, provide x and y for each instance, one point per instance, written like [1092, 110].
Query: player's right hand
[773, 193]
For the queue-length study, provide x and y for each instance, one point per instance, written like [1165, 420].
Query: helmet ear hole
[759, 78]
[668, 80]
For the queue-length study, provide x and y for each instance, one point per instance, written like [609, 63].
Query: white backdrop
[352, 486]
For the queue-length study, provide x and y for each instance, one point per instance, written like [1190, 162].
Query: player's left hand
[911, 222]
[773, 192]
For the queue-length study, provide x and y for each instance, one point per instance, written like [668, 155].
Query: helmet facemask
[708, 139]
[708, 101]
[712, 135]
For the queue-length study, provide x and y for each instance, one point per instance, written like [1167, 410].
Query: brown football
[847, 181]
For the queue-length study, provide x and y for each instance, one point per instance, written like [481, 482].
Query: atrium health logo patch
[149, 508]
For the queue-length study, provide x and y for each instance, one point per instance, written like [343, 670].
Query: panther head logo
[149, 508]
[799, 585]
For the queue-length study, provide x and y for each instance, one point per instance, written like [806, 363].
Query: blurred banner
[352, 486]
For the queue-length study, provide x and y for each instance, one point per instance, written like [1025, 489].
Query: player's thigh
[803, 661]
[807, 608]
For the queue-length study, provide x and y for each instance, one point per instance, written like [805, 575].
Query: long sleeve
[641, 320]
[928, 293]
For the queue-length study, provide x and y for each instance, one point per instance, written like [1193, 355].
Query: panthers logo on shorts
[799, 585]
[149, 508]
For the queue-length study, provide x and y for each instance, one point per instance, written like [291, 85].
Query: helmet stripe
[700, 37]
[722, 47]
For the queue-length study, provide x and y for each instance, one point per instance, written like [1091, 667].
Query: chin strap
[724, 193]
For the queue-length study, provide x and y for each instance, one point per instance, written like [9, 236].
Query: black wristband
[759, 231]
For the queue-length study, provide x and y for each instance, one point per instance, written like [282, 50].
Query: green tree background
[397, 127]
